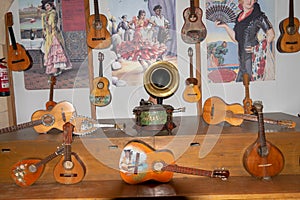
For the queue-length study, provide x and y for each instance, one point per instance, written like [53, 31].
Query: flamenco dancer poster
[240, 40]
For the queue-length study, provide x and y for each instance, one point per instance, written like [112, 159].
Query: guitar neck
[100, 69]
[96, 6]
[192, 6]
[191, 67]
[291, 13]
[12, 38]
[187, 170]
[20, 126]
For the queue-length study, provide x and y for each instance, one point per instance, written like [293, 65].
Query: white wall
[281, 95]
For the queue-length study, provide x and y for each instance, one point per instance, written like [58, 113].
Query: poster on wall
[243, 46]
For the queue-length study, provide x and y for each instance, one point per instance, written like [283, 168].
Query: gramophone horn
[161, 79]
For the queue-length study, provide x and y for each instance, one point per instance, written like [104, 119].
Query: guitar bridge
[98, 39]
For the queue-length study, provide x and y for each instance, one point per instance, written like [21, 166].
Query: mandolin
[191, 93]
[45, 120]
[18, 58]
[139, 162]
[193, 30]
[70, 169]
[216, 111]
[289, 39]
[100, 94]
[247, 101]
[50, 104]
[98, 37]
[262, 159]
[27, 172]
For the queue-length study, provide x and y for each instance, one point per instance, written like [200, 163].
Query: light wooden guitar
[262, 159]
[193, 30]
[43, 121]
[100, 94]
[98, 37]
[50, 104]
[18, 58]
[247, 101]
[191, 93]
[27, 172]
[70, 169]
[216, 111]
[289, 39]
[140, 162]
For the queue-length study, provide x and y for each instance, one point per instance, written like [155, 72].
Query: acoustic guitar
[191, 93]
[193, 30]
[262, 159]
[70, 169]
[100, 94]
[216, 111]
[98, 37]
[27, 172]
[50, 104]
[289, 39]
[139, 162]
[18, 58]
[247, 101]
[45, 120]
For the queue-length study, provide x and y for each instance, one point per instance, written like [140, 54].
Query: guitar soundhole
[100, 85]
[158, 166]
[98, 25]
[48, 120]
[193, 18]
[196, 35]
[291, 30]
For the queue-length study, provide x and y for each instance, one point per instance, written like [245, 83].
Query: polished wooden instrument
[100, 94]
[289, 39]
[247, 101]
[27, 172]
[216, 111]
[70, 169]
[50, 104]
[262, 159]
[98, 37]
[191, 93]
[140, 162]
[193, 30]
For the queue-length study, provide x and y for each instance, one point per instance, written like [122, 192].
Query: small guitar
[98, 37]
[27, 172]
[100, 94]
[193, 30]
[191, 93]
[70, 169]
[262, 159]
[140, 162]
[18, 58]
[247, 102]
[216, 111]
[50, 104]
[289, 39]
[45, 120]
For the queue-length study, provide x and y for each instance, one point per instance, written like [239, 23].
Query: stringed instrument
[139, 162]
[216, 111]
[18, 58]
[193, 30]
[262, 159]
[50, 104]
[247, 101]
[45, 120]
[98, 37]
[191, 93]
[70, 169]
[27, 172]
[100, 94]
[289, 39]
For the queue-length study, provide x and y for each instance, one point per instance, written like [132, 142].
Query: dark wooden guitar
[18, 58]
[140, 162]
[50, 104]
[216, 111]
[262, 159]
[191, 93]
[289, 39]
[98, 37]
[70, 169]
[100, 94]
[193, 30]
[247, 101]
[27, 172]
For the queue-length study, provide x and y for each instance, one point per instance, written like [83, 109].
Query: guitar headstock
[100, 56]
[68, 129]
[221, 173]
[9, 19]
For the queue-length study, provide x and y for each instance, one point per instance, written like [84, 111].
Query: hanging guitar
[43, 121]
[18, 58]
[100, 94]
[50, 104]
[193, 30]
[191, 93]
[139, 162]
[216, 111]
[27, 172]
[247, 101]
[98, 37]
[289, 39]
[262, 159]
[70, 169]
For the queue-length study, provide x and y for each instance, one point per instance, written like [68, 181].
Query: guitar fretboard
[187, 170]
[20, 126]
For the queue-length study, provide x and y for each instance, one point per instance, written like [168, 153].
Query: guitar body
[18, 58]
[191, 92]
[289, 39]
[100, 95]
